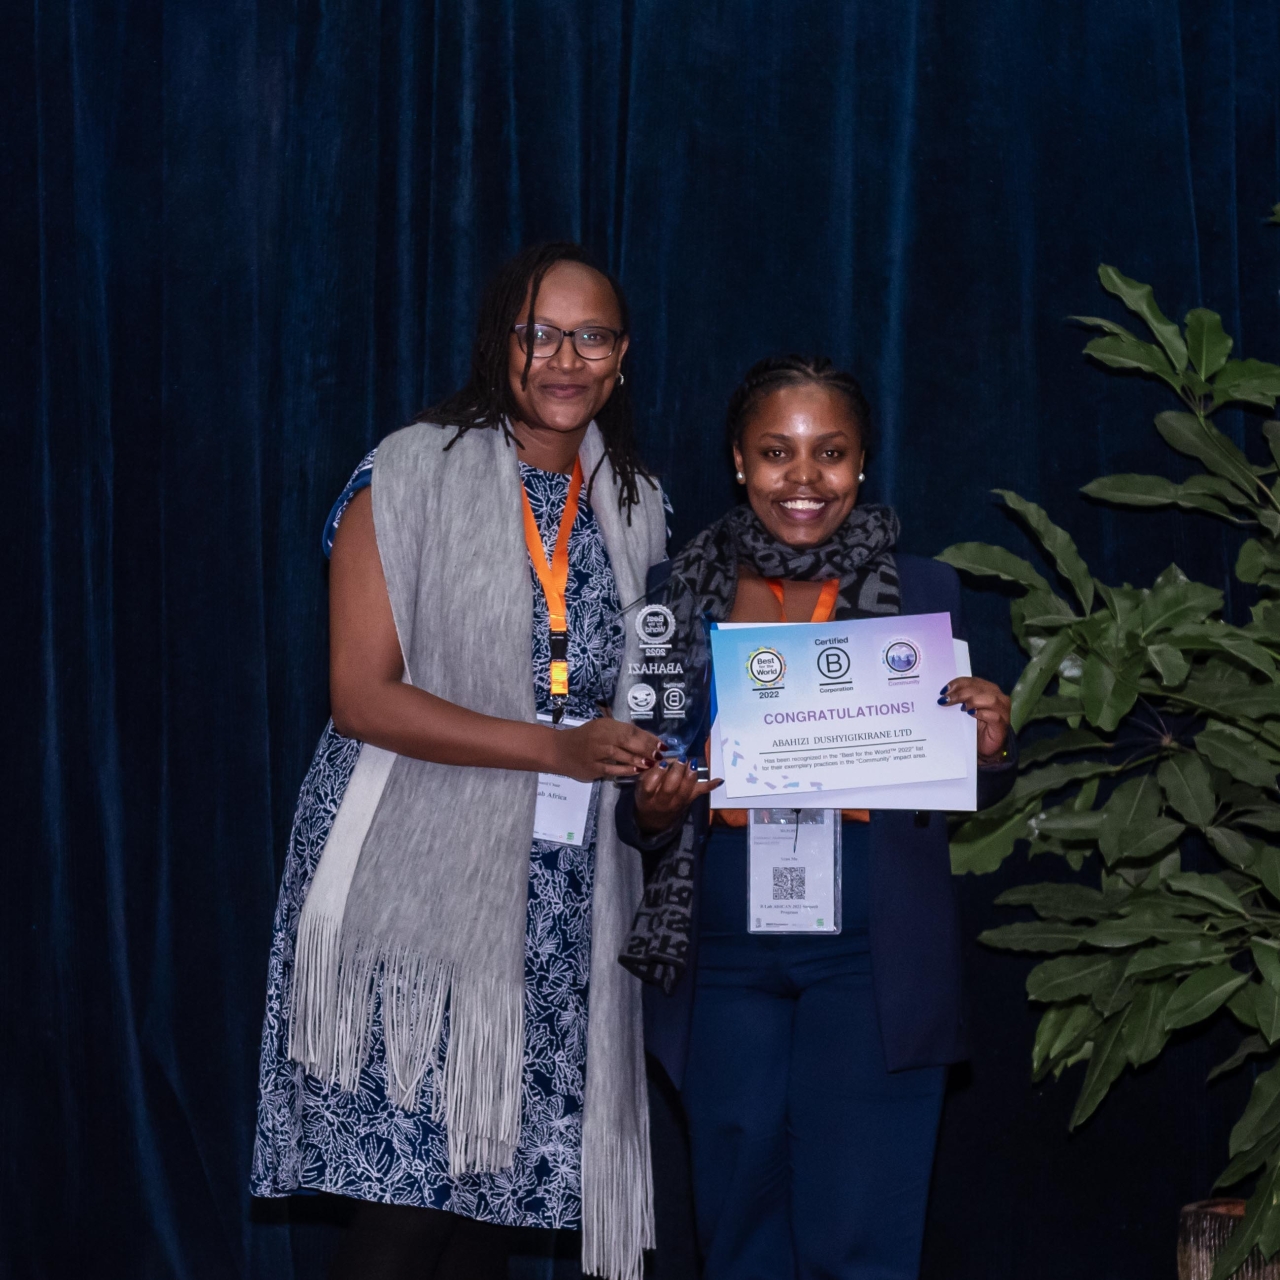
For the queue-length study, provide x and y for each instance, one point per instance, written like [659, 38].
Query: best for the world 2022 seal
[766, 666]
[655, 625]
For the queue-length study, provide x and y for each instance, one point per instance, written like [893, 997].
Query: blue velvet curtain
[244, 240]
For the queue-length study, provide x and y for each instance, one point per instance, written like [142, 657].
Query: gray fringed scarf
[860, 554]
[420, 894]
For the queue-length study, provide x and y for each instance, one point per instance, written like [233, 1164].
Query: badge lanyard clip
[554, 579]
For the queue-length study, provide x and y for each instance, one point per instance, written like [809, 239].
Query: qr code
[788, 884]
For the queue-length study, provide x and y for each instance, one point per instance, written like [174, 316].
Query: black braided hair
[486, 399]
[775, 372]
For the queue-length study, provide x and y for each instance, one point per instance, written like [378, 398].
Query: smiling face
[564, 391]
[801, 453]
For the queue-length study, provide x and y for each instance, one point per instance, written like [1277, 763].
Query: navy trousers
[810, 1160]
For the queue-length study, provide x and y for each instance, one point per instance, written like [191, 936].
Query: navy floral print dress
[312, 1135]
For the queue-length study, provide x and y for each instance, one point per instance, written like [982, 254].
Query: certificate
[810, 708]
[954, 795]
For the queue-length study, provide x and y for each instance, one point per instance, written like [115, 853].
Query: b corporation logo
[766, 666]
[901, 657]
[833, 665]
[655, 625]
[673, 701]
[641, 698]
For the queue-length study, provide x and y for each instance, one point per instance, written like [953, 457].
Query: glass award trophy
[668, 686]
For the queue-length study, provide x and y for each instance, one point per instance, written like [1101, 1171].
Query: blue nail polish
[971, 711]
[942, 702]
[944, 688]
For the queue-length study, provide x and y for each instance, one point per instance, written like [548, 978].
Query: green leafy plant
[1164, 740]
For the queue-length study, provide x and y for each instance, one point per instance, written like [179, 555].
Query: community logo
[641, 699]
[766, 666]
[655, 625]
[901, 657]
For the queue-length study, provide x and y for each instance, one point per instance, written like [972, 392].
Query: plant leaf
[1234, 698]
[1247, 1161]
[1186, 783]
[1137, 843]
[1066, 978]
[1053, 1021]
[1267, 819]
[1097, 322]
[1154, 962]
[1251, 381]
[1035, 676]
[1057, 543]
[1178, 604]
[1208, 344]
[983, 842]
[1267, 869]
[1034, 935]
[1211, 888]
[1108, 691]
[1247, 651]
[1266, 1008]
[1241, 1007]
[1129, 933]
[1070, 824]
[1272, 432]
[1187, 434]
[1236, 756]
[1062, 743]
[1259, 1214]
[1143, 1030]
[1220, 487]
[986, 561]
[1141, 300]
[1133, 490]
[1202, 994]
[1232, 845]
[1261, 1113]
[1134, 803]
[1249, 1046]
[1170, 663]
[1105, 1065]
[1268, 961]
[1252, 562]
[1131, 353]
[1058, 901]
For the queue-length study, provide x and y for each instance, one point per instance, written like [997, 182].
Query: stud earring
[741, 478]
[862, 475]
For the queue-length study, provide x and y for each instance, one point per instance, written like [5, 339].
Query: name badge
[794, 877]
[564, 804]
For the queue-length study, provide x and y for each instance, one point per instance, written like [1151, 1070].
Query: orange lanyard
[554, 578]
[826, 605]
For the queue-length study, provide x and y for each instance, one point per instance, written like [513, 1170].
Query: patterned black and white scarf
[860, 554]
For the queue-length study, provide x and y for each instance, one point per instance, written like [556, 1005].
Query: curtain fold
[245, 240]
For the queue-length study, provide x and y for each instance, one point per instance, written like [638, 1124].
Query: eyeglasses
[590, 341]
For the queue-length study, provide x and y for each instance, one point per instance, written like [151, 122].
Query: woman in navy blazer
[810, 1067]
